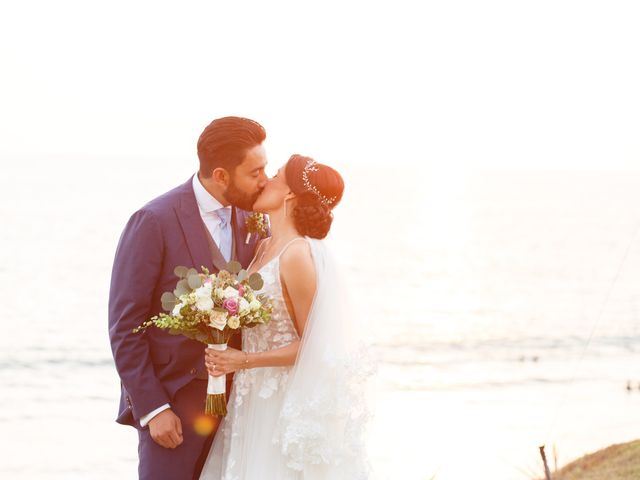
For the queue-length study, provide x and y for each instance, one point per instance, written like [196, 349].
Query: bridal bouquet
[210, 308]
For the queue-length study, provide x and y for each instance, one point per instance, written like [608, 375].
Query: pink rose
[231, 305]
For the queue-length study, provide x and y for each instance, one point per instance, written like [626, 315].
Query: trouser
[186, 460]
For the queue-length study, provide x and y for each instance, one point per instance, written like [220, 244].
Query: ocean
[504, 308]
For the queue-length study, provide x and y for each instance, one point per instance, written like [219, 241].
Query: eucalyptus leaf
[255, 281]
[180, 271]
[242, 275]
[194, 281]
[233, 267]
[168, 305]
[191, 271]
[182, 288]
[168, 297]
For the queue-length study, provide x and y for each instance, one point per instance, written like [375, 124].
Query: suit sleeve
[136, 270]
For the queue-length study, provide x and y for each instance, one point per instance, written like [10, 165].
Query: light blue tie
[226, 239]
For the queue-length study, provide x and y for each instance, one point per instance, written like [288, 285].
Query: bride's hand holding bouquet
[220, 363]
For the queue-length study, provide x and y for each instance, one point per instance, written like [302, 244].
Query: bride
[296, 409]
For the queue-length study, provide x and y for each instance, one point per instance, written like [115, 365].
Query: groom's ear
[221, 177]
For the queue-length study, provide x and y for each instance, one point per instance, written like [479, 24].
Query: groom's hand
[166, 429]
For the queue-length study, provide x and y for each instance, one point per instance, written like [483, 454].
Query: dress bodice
[277, 333]
[280, 331]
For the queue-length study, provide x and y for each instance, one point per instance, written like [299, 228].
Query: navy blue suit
[157, 368]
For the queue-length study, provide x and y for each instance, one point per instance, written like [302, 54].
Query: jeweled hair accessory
[311, 166]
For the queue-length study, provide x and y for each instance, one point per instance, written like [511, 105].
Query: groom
[199, 223]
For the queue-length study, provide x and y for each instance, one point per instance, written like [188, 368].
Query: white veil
[323, 420]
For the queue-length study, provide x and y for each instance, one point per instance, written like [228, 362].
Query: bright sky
[551, 84]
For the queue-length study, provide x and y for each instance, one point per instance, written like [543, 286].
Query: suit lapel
[193, 228]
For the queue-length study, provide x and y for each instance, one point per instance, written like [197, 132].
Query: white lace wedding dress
[281, 424]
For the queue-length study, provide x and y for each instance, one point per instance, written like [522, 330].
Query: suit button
[193, 371]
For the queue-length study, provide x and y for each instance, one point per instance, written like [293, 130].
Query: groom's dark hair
[225, 141]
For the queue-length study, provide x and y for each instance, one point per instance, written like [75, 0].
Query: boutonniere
[257, 224]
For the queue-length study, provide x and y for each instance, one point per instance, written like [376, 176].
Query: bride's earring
[285, 205]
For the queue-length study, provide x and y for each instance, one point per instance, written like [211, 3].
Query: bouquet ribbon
[216, 386]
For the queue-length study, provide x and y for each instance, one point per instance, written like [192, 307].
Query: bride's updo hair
[318, 190]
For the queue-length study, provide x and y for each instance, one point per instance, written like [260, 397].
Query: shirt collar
[206, 202]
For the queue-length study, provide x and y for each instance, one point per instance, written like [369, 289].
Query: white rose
[176, 310]
[218, 293]
[255, 305]
[203, 298]
[234, 322]
[203, 291]
[230, 292]
[203, 304]
[218, 319]
[243, 307]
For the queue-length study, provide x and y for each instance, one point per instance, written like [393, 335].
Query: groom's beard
[240, 199]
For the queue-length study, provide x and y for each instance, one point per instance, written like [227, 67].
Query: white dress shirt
[207, 205]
